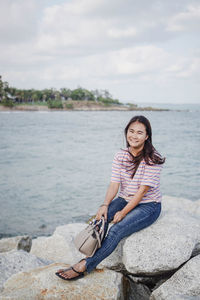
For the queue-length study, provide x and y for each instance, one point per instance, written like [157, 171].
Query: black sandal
[80, 274]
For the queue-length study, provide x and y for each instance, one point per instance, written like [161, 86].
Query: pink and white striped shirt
[122, 169]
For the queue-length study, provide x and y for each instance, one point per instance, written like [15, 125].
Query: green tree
[1, 88]
[47, 94]
[5, 99]
[96, 93]
[66, 93]
[82, 94]
[55, 104]
[77, 94]
[54, 97]
[88, 95]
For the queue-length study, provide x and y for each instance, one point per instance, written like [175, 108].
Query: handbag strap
[100, 233]
[102, 229]
[98, 238]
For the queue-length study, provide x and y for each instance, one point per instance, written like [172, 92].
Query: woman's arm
[110, 195]
[143, 189]
[111, 192]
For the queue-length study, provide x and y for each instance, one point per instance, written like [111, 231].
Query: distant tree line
[11, 96]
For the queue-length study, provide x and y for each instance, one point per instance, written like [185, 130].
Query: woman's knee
[114, 230]
[115, 206]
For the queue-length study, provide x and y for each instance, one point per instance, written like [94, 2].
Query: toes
[65, 275]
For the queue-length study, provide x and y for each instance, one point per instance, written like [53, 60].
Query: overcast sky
[140, 50]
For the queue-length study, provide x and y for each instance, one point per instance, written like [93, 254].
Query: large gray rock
[196, 211]
[60, 247]
[166, 244]
[174, 204]
[154, 250]
[184, 284]
[42, 284]
[172, 240]
[17, 243]
[114, 260]
[16, 261]
[71, 230]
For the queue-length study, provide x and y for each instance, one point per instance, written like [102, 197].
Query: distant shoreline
[78, 106]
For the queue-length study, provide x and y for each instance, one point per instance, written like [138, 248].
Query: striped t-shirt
[122, 169]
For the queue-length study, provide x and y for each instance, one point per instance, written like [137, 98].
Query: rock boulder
[166, 244]
[17, 243]
[42, 284]
[17, 261]
[59, 247]
[184, 284]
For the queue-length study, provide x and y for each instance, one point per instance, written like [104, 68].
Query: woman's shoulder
[121, 154]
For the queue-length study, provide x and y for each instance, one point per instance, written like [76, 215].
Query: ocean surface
[55, 166]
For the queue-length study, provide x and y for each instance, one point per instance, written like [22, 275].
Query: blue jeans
[143, 215]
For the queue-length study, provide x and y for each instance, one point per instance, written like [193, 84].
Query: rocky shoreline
[79, 106]
[157, 263]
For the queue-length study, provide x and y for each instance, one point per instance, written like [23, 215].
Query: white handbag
[90, 238]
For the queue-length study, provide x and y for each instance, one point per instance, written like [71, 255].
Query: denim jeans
[143, 215]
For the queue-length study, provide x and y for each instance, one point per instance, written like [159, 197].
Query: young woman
[136, 175]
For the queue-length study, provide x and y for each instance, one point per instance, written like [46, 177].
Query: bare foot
[79, 267]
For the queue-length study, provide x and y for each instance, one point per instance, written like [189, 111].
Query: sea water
[55, 166]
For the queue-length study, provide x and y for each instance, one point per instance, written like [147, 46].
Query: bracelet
[103, 205]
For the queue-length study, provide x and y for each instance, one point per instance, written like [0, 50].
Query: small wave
[11, 112]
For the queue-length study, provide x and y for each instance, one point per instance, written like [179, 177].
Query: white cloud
[188, 68]
[18, 20]
[187, 20]
[63, 30]
[110, 43]
[139, 60]
[121, 33]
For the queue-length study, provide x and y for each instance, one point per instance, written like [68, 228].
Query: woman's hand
[118, 216]
[103, 210]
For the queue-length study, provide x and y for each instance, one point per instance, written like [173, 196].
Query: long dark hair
[148, 153]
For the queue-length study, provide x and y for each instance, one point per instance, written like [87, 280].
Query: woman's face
[136, 135]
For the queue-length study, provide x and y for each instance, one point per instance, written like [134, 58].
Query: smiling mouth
[133, 141]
